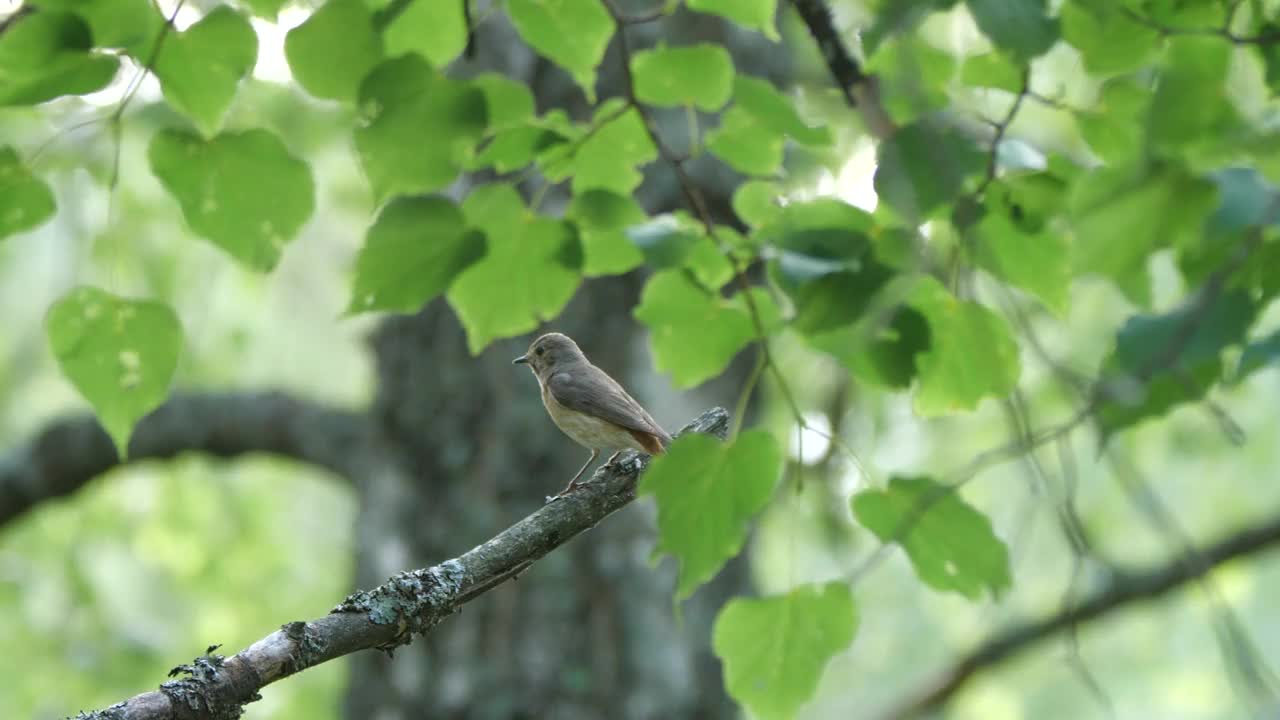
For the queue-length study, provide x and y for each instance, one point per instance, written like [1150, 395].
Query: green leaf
[755, 14]
[405, 104]
[971, 355]
[331, 53]
[528, 275]
[435, 29]
[412, 253]
[695, 332]
[991, 70]
[923, 168]
[608, 159]
[1257, 355]
[913, 76]
[776, 111]
[665, 240]
[1116, 130]
[120, 354]
[242, 190]
[200, 68]
[25, 200]
[509, 102]
[602, 218]
[756, 202]
[1190, 102]
[570, 33]
[663, 77]
[1020, 27]
[774, 649]
[707, 493]
[1036, 262]
[951, 545]
[129, 24]
[1161, 361]
[745, 144]
[889, 358]
[1121, 215]
[515, 148]
[47, 54]
[1108, 39]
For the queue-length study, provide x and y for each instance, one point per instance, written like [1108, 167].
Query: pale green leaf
[435, 29]
[242, 190]
[47, 54]
[201, 67]
[531, 270]
[331, 53]
[119, 353]
[971, 355]
[707, 493]
[25, 200]
[755, 14]
[602, 218]
[774, 649]
[571, 33]
[664, 76]
[951, 545]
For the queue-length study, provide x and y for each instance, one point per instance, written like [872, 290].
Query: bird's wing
[588, 389]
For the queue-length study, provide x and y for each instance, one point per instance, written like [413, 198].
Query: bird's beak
[522, 360]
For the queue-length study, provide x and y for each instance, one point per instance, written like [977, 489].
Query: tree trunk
[590, 631]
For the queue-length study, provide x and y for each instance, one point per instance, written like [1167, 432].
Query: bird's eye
[538, 351]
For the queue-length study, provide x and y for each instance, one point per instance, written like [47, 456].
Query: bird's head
[551, 352]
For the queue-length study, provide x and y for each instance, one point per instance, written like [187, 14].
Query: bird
[588, 405]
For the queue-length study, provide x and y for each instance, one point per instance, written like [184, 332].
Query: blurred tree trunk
[590, 631]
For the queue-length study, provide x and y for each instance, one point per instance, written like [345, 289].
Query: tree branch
[71, 452]
[409, 604]
[1124, 588]
[859, 88]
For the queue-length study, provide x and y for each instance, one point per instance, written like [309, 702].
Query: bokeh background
[102, 592]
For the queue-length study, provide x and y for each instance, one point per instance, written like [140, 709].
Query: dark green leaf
[331, 53]
[1020, 27]
[412, 253]
[25, 200]
[774, 649]
[406, 103]
[435, 29]
[755, 14]
[1161, 361]
[510, 103]
[45, 55]
[242, 190]
[951, 545]
[887, 356]
[129, 24]
[707, 493]
[922, 168]
[120, 354]
[530, 272]
[571, 33]
[663, 76]
[200, 68]
[971, 355]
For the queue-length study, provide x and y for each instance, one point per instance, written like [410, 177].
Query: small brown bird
[588, 405]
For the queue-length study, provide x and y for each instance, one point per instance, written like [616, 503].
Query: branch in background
[391, 614]
[1124, 588]
[859, 88]
[71, 452]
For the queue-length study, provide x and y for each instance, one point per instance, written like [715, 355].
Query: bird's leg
[573, 484]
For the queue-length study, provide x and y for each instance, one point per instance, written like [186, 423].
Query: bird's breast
[588, 430]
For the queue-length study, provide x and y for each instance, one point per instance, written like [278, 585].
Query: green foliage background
[1071, 193]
